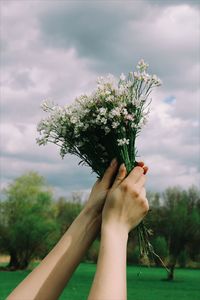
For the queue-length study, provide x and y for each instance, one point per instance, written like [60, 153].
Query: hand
[100, 189]
[126, 203]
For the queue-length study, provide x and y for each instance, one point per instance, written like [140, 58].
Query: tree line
[32, 222]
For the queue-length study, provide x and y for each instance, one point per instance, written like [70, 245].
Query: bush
[133, 254]
[93, 252]
[160, 247]
[183, 259]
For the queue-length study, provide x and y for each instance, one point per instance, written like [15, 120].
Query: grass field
[143, 284]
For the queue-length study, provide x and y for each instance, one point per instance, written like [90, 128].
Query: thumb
[121, 175]
[109, 174]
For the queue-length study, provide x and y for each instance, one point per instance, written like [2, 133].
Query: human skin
[48, 279]
[125, 207]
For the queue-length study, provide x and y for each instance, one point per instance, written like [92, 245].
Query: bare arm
[47, 281]
[125, 207]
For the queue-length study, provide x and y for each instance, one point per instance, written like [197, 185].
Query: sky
[56, 50]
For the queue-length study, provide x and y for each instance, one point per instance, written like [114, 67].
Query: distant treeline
[31, 223]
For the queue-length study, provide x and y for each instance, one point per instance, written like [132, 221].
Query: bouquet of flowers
[104, 125]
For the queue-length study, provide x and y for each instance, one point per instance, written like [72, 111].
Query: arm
[47, 281]
[125, 207]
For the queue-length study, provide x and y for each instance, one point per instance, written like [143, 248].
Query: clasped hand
[121, 199]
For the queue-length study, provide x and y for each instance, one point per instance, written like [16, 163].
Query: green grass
[143, 283]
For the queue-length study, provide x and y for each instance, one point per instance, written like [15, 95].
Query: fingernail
[145, 168]
[123, 167]
[113, 162]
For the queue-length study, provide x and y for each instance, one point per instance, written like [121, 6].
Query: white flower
[115, 112]
[122, 90]
[115, 124]
[154, 78]
[110, 98]
[122, 142]
[142, 66]
[133, 125]
[124, 111]
[103, 120]
[102, 111]
[136, 75]
[130, 117]
[47, 105]
[122, 77]
[146, 77]
[129, 84]
[136, 102]
[108, 92]
[73, 119]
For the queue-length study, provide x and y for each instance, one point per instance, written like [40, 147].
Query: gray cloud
[57, 49]
[114, 36]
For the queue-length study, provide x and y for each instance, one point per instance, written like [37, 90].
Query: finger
[140, 163]
[145, 200]
[143, 193]
[120, 176]
[145, 168]
[135, 174]
[141, 182]
[109, 173]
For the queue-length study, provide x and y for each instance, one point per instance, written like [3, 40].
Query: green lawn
[143, 284]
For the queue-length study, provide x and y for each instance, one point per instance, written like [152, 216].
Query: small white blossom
[122, 142]
[136, 102]
[122, 77]
[110, 98]
[129, 117]
[102, 111]
[47, 105]
[108, 92]
[115, 112]
[124, 111]
[133, 125]
[103, 120]
[142, 66]
[115, 124]
[74, 119]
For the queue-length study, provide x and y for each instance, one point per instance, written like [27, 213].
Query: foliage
[183, 258]
[93, 252]
[31, 223]
[133, 254]
[66, 212]
[27, 223]
[160, 244]
[176, 217]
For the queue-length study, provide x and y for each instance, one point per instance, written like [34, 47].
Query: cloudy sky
[56, 50]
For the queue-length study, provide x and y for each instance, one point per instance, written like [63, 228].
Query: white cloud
[46, 53]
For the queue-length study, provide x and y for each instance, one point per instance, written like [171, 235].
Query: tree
[27, 220]
[160, 245]
[181, 215]
[67, 211]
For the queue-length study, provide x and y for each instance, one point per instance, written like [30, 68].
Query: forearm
[47, 281]
[110, 278]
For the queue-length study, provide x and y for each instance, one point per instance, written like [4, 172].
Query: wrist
[91, 213]
[114, 229]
